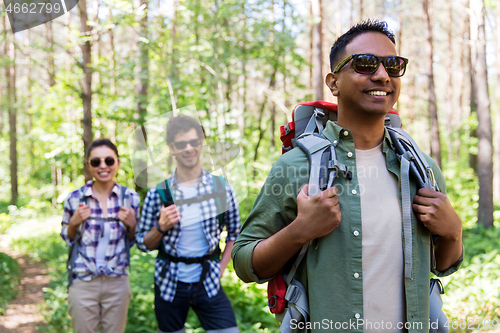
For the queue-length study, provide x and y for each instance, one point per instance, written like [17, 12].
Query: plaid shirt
[116, 259]
[210, 222]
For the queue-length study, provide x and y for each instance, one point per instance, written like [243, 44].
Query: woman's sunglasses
[95, 162]
[183, 144]
[365, 63]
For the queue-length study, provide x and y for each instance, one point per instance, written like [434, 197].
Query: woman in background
[99, 221]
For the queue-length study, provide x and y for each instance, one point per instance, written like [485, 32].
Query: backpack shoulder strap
[163, 191]
[125, 202]
[124, 196]
[219, 185]
[414, 165]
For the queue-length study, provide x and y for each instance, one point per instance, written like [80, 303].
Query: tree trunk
[317, 49]
[449, 89]
[460, 89]
[433, 115]
[142, 88]
[311, 46]
[10, 74]
[96, 37]
[27, 56]
[496, 163]
[361, 10]
[112, 60]
[86, 94]
[50, 53]
[484, 131]
[276, 55]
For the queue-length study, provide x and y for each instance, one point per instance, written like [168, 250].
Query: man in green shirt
[354, 270]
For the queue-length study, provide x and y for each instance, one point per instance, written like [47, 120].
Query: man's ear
[331, 81]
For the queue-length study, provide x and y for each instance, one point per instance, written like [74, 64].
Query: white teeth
[377, 93]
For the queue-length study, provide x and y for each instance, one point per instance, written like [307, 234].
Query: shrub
[9, 279]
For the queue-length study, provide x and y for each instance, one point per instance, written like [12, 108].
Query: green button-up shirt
[327, 271]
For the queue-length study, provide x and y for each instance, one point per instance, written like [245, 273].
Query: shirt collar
[334, 132]
[205, 176]
[87, 189]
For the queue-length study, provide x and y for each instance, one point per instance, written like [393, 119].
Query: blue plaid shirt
[210, 222]
[116, 260]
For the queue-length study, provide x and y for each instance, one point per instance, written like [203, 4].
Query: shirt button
[357, 316]
[346, 133]
[356, 275]
[356, 233]
[354, 191]
[349, 154]
[335, 142]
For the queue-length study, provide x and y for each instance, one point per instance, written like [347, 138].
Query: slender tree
[142, 83]
[429, 55]
[484, 131]
[496, 162]
[10, 74]
[317, 51]
[86, 65]
[449, 89]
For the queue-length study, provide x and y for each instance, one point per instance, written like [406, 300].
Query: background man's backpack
[287, 298]
[219, 194]
[75, 248]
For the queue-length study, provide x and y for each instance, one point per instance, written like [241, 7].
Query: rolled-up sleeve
[265, 220]
[70, 205]
[149, 215]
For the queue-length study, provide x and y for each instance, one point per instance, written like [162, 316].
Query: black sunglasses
[95, 162]
[182, 144]
[365, 63]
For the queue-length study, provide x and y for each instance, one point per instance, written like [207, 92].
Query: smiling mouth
[378, 93]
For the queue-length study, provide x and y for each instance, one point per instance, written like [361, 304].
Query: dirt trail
[23, 315]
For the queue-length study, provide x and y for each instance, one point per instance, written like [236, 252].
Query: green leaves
[9, 279]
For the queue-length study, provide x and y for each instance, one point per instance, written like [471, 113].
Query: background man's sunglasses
[95, 162]
[182, 144]
[365, 63]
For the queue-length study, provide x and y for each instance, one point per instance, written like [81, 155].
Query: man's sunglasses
[95, 162]
[365, 63]
[183, 144]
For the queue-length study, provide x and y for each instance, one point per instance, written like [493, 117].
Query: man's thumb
[304, 190]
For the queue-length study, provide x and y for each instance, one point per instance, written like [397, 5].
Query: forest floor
[23, 313]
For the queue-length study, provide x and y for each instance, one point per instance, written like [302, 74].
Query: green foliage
[249, 300]
[474, 291]
[9, 279]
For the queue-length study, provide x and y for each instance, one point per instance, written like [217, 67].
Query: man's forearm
[226, 256]
[152, 238]
[448, 252]
[271, 254]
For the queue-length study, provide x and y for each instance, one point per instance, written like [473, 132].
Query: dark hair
[340, 44]
[100, 143]
[182, 124]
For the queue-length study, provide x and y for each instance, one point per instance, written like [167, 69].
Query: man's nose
[381, 74]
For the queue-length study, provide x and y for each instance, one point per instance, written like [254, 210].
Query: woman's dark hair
[100, 143]
[340, 44]
[182, 124]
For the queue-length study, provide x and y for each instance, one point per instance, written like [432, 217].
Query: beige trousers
[102, 301]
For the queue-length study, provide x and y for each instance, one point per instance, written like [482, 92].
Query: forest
[115, 68]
